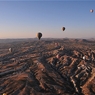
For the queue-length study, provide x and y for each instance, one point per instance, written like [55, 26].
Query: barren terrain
[32, 67]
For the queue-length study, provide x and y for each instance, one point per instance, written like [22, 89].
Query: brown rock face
[32, 68]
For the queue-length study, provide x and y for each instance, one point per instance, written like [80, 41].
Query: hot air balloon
[63, 28]
[58, 56]
[4, 94]
[83, 57]
[56, 44]
[10, 49]
[39, 35]
[91, 10]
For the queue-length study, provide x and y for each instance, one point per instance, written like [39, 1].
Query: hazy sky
[23, 19]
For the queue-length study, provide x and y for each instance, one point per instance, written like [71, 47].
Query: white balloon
[84, 57]
[10, 49]
[91, 10]
[4, 94]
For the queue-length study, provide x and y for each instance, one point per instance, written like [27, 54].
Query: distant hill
[15, 40]
[29, 39]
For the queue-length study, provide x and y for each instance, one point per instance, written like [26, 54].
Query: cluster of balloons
[39, 35]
